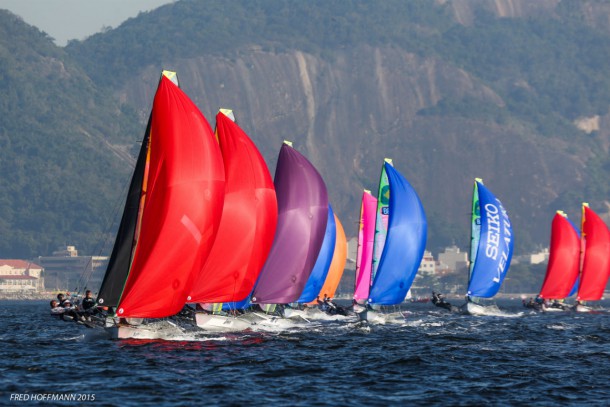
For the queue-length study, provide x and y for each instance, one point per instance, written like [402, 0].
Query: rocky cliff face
[348, 113]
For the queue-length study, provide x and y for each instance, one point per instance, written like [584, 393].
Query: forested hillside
[515, 92]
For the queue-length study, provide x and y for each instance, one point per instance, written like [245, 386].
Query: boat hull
[221, 323]
[133, 332]
[554, 309]
[315, 314]
[472, 308]
[265, 322]
[139, 329]
[582, 308]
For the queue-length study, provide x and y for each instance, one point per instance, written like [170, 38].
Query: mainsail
[248, 221]
[320, 269]
[492, 243]
[404, 245]
[564, 259]
[181, 199]
[596, 256]
[366, 238]
[302, 215]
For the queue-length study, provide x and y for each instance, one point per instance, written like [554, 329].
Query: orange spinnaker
[337, 265]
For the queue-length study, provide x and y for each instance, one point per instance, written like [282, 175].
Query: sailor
[331, 308]
[61, 299]
[88, 302]
[56, 309]
[63, 310]
[439, 301]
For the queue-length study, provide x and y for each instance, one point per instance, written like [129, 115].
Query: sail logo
[385, 210]
[498, 232]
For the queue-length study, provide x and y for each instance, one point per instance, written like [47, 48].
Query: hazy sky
[77, 19]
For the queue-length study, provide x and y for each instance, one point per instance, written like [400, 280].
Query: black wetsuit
[439, 301]
[87, 303]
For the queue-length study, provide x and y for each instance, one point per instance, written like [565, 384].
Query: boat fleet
[209, 240]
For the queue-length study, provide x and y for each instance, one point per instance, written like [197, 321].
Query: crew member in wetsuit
[88, 302]
[88, 305]
[62, 311]
[439, 301]
[61, 299]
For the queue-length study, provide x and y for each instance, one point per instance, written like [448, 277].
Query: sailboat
[170, 219]
[404, 236]
[322, 266]
[325, 276]
[245, 234]
[491, 249]
[337, 265]
[563, 267]
[595, 268]
[302, 217]
[364, 254]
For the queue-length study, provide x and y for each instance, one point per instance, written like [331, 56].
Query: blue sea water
[431, 358]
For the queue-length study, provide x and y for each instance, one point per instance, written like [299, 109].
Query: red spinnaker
[182, 204]
[596, 257]
[248, 220]
[564, 260]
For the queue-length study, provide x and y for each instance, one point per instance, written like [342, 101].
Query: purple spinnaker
[302, 202]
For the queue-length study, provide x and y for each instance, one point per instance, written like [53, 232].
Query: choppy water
[432, 358]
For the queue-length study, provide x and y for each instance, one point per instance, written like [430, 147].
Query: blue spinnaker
[320, 269]
[404, 245]
[243, 304]
[495, 246]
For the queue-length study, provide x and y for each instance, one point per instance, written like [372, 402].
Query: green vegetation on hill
[57, 173]
[191, 28]
[549, 69]
[61, 179]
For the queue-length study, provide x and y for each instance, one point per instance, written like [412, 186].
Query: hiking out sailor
[61, 299]
[87, 302]
[439, 300]
[63, 311]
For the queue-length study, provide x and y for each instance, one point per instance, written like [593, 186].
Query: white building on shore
[20, 276]
[67, 270]
[452, 259]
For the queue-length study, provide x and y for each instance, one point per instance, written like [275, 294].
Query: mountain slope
[62, 163]
[451, 90]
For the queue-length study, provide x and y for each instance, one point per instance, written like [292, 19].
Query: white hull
[582, 308]
[159, 329]
[315, 314]
[554, 309]
[221, 323]
[381, 318]
[265, 322]
[489, 310]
